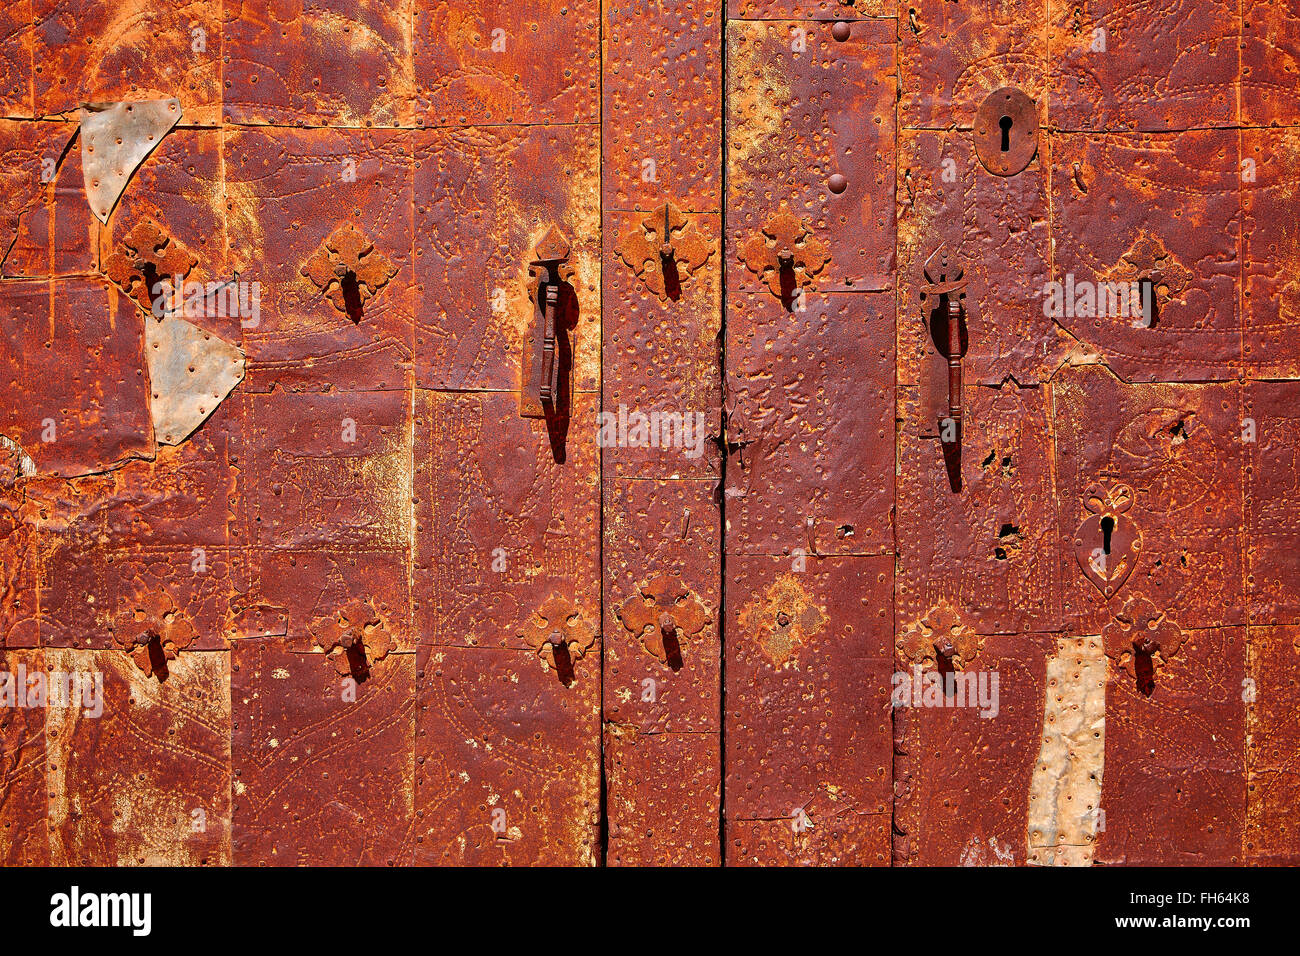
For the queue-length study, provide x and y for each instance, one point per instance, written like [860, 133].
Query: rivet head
[840, 31]
[837, 183]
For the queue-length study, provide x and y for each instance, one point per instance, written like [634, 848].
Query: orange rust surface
[367, 613]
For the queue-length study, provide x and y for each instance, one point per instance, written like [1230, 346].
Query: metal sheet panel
[274, 181]
[43, 196]
[322, 764]
[962, 772]
[500, 525]
[86, 586]
[16, 29]
[1109, 57]
[662, 797]
[164, 797]
[661, 356]
[1175, 785]
[808, 735]
[485, 198]
[495, 62]
[143, 51]
[1270, 48]
[24, 827]
[653, 49]
[179, 189]
[319, 62]
[989, 546]
[1179, 449]
[1271, 746]
[1270, 294]
[802, 107]
[999, 228]
[662, 707]
[1170, 206]
[93, 415]
[662, 544]
[507, 759]
[847, 838]
[809, 428]
[951, 55]
[19, 577]
[1271, 422]
[808, 9]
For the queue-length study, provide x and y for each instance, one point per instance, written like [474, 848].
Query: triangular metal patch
[190, 372]
[115, 139]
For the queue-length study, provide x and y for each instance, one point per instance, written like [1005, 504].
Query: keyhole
[1006, 123]
[1107, 526]
[1147, 300]
[351, 291]
[149, 275]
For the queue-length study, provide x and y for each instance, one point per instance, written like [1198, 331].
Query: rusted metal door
[329, 611]
[648, 432]
[1083, 537]
[1063, 214]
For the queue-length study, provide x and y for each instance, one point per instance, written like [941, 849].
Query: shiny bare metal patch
[1065, 811]
[115, 139]
[190, 373]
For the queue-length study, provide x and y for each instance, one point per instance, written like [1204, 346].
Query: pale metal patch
[14, 462]
[190, 372]
[1065, 813]
[115, 139]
